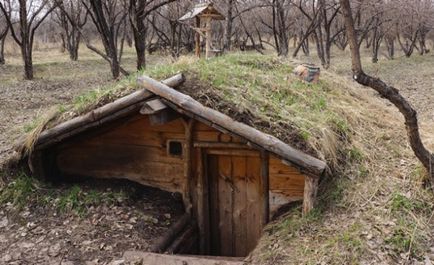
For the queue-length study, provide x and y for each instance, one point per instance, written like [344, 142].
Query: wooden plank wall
[137, 151]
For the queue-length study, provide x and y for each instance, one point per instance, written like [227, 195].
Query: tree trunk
[390, 43]
[229, 24]
[26, 52]
[388, 92]
[2, 51]
[140, 45]
[282, 32]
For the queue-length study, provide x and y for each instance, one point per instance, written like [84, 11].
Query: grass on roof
[262, 86]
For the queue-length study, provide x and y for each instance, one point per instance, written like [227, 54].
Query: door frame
[203, 188]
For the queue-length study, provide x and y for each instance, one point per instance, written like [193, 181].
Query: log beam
[265, 180]
[164, 241]
[104, 114]
[310, 192]
[188, 163]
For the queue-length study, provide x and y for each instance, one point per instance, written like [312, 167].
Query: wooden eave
[115, 110]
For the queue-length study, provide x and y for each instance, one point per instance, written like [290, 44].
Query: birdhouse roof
[203, 10]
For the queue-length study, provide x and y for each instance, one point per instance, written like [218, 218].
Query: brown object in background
[308, 73]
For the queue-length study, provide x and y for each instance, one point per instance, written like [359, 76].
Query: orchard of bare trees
[302, 26]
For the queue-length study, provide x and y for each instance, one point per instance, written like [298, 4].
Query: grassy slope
[373, 209]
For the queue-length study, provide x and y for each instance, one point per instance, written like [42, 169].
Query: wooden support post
[203, 204]
[310, 192]
[197, 35]
[188, 171]
[265, 164]
[208, 36]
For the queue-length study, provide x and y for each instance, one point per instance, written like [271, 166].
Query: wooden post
[265, 163]
[203, 204]
[197, 37]
[310, 192]
[208, 36]
[188, 171]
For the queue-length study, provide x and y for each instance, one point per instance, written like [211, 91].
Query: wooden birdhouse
[203, 14]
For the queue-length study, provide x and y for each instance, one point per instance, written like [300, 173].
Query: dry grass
[375, 210]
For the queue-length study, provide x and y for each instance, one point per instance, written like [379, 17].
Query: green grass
[25, 190]
[19, 191]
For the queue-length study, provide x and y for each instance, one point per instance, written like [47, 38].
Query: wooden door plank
[265, 180]
[254, 204]
[239, 214]
[213, 177]
[225, 205]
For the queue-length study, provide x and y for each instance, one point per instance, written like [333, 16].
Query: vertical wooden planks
[213, 176]
[239, 214]
[265, 180]
[225, 196]
[200, 191]
[254, 205]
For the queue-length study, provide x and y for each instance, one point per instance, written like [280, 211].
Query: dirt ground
[63, 230]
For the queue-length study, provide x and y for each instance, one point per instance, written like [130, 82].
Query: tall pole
[207, 36]
[198, 37]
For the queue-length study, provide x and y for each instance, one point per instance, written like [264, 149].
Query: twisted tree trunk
[388, 92]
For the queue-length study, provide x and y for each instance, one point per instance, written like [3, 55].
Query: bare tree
[71, 17]
[138, 11]
[108, 16]
[4, 29]
[388, 92]
[31, 14]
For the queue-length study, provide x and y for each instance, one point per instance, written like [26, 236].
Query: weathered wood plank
[239, 214]
[254, 205]
[310, 192]
[265, 181]
[221, 145]
[213, 177]
[135, 257]
[225, 204]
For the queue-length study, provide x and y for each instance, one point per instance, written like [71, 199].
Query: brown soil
[43, 234]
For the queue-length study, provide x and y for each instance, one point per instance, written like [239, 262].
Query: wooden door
[235, 205]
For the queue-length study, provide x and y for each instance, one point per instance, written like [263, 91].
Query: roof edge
[308, 163]
[109, 112]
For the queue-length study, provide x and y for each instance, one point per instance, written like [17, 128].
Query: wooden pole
[203, 203]
[265, 163]
[165, 240]
[188, 171]
[310, 192]
[197, 37]
[208, 36]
